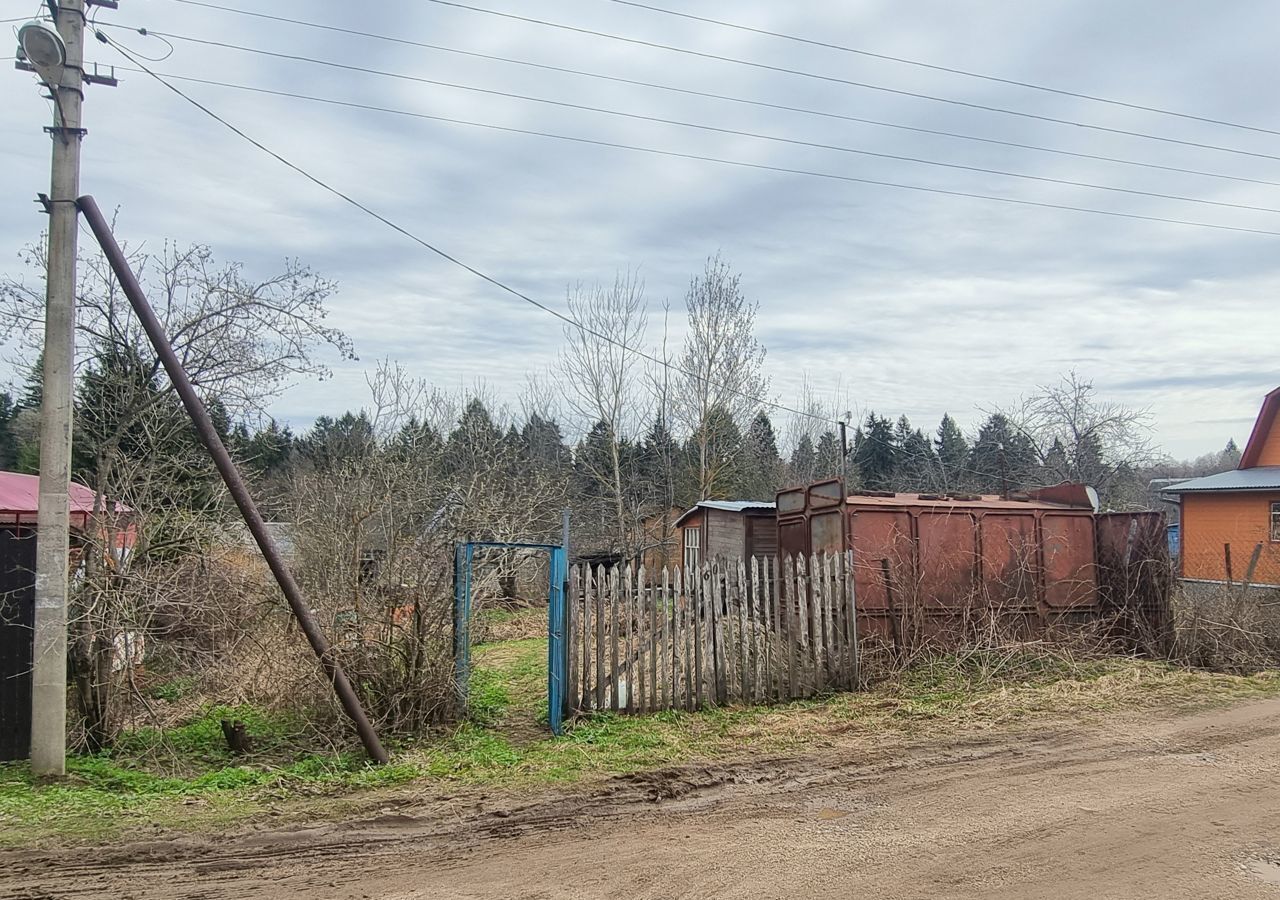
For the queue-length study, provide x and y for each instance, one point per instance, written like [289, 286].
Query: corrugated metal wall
[17, 619]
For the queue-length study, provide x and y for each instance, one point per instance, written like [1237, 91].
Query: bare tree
[1080, 437]
[721, 372]
[240, 341]
[604, 378]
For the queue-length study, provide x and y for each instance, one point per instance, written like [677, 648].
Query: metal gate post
[556, 647]
[462, 557]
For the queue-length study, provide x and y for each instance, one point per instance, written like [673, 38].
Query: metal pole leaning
[231, 477]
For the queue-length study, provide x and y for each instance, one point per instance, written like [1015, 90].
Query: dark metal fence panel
[17, 621]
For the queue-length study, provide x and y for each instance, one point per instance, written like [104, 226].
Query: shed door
[17, 623]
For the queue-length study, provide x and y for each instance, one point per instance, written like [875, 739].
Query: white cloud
[909, 302]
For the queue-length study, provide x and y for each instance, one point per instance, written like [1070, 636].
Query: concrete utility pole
[844, 446]
[49, 680]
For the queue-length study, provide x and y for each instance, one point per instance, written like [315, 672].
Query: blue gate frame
[557, 650]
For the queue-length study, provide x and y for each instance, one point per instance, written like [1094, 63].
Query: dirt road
[1186, 807]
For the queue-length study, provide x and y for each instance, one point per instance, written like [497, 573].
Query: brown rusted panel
[1070, 575]
[826, 532]
[876, 535]
[793, 537]
[948, 559]
[1010, 559]
[826, 493]
[790, 502]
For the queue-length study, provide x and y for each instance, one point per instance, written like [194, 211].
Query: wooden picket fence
[754, 631]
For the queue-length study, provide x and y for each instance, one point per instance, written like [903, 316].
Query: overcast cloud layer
[904, 301]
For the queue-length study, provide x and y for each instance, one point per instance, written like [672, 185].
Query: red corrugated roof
[20, 497]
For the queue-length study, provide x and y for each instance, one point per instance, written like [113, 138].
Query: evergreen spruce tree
[1002, 459]
[804, 461]
[8, 443]
[952, 451]
[827, 455]
[761, 462]
[875, 453]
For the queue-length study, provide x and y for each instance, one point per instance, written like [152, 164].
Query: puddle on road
[1264, 870]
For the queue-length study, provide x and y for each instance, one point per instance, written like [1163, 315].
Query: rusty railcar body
[932, 566]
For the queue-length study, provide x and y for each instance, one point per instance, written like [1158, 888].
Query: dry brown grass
[1226, 629]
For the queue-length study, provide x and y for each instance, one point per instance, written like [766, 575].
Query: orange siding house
[1239, 510]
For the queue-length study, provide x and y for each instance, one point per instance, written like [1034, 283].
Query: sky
[880, 298]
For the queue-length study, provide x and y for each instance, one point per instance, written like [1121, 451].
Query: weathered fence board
[750, 631]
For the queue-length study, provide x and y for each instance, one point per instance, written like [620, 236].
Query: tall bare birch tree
[604, 378]
[721, 372]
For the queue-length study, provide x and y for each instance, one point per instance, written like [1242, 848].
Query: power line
[722, 97]
[835, 80]
[324, 185]
[719, 130]
[567, 319]
[712, 159]
[948, 69]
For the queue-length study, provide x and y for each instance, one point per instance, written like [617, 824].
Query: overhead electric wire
[515, 292]
[835, 80]
[567, 319]
[712, 159]
[783, 107]
[719, 130]
[940, 68]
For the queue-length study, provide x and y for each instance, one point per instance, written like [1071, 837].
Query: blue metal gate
[557, 650]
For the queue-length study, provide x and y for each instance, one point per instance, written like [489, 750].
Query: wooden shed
[729, 530]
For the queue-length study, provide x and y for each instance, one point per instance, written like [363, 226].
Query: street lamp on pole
[56, 54]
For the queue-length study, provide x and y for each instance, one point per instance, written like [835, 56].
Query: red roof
[20, 494]
[1261, 428]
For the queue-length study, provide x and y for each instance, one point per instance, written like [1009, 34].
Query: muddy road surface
[1184, 807]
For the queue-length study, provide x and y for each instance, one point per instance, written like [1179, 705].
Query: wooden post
[1253, 565]
[685, 626]
[757, 621]
[775, 627]
[613, 639]
[746, 683]
[671, 593]
[587, 604]
[792, 612]
[651, 642]
[851, 620]
[714, 656]
[600, 586]
[816, 626]
[699, 635]
[1226, 552]
[636, 683]
[571, 642]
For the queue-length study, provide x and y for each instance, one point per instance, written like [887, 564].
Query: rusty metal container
[930, 566]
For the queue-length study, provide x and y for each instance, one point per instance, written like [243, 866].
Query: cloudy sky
[903, 301]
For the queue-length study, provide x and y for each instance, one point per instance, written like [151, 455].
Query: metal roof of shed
[727, 506]
[1260, 478]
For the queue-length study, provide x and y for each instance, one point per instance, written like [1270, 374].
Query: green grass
[184, 778]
